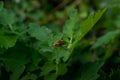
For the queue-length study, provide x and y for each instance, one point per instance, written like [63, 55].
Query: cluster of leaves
[33, 52]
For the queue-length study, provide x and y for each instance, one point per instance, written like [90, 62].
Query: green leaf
[7, 41]
[7, 17]
[89, 71]
[60, 53]
[41, 33]
[85, 27]
[51, 71]
[48, 67]
[62, 69]
[88, 24]
[106, 38]
[59, 69]
[70, 26]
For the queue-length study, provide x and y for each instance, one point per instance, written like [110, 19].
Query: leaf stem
[11, 28]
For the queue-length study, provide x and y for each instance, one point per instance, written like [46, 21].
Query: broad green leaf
[7, 17]
[90, 70]
[47, 68]
[62, 69]
[7, 41]
[70, 26]
[106, 38]
[85, 27]
[51, 71]
[41, 33]
[89, 23]
[60, 53]
[42, 47]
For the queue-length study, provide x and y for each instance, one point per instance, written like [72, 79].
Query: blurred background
[55, 12]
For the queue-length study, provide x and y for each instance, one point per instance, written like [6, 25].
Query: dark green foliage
[31, 51]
